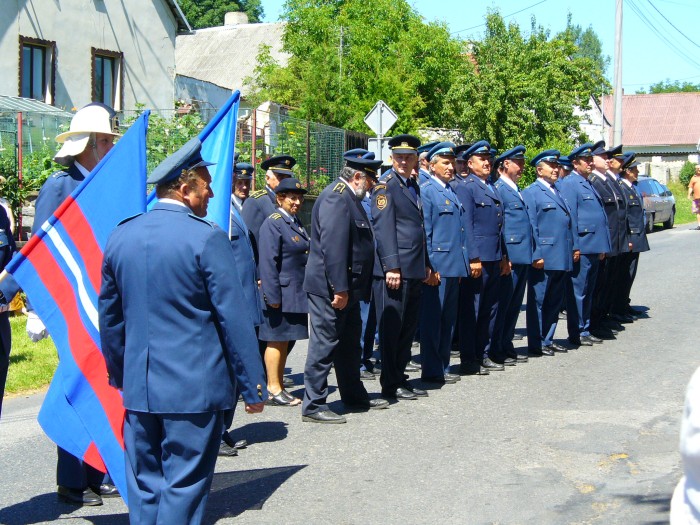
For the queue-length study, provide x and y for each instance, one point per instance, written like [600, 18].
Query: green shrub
[686, 173]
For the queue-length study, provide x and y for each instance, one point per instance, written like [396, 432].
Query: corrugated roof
[14, 104]
[226, 55]
[663, 119]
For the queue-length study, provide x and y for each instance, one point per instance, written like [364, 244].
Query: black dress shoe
[518, 358]
[366, 374]
[439, 380]
[449, 376]
[558, 348]
[87, 497]
[106, 490]
[622, 318]
[399, 393]
[517, 337]
[508, 361]
[579, 341]
[454, 353]
[226, 450]
[241, 443]
[491, 366]
[545, 350]
[591, 339]
[472, 370]
[612, 325]
[411, 368]
[370, 404]
[415, 390]
[325, 416]
[602, 333]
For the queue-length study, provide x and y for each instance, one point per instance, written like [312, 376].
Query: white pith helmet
[93, 118]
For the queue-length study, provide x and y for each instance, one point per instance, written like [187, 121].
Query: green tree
[522, 89]
[210, 13]
[587, 42]
[686, 173]
[668, 86]
[347, 55]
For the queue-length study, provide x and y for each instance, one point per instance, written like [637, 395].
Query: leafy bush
[686, 173]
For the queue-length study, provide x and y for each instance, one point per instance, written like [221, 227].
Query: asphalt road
[588, 437]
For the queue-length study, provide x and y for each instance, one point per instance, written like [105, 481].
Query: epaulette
[389, 177]
[339, 188]
[59, 173]
[425, 184]
[129, 218]
[275, 216]
[380, 186]
[202, 219]
[259, 193]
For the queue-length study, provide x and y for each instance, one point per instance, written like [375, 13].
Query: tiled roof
[226, 55]
[663, 119]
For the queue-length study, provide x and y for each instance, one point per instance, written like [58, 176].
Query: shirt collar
[172, 201]
[629, 184]
[545, 184]
[82, 169]
[599, 174]
[510, 183]
[442, 184]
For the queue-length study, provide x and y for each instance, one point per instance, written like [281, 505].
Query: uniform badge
[295, 238]
[447, 201]
[381, 202]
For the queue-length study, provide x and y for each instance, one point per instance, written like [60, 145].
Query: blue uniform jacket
[446, 239]
[9, 286]
[590, 222]
[552, 229]
[398, 229]
[635, 218]
[341, 258]
[423, 176]
[615, 209]
[176, 331]
[284, 250]
[517, 232]
[256, 208]
[483, 217]
[245, 264]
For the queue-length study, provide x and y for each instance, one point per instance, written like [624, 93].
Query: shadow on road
[232, 493]
[660, 503]
[263, 432]
[45, 507]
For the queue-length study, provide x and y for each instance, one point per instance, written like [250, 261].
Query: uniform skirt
[283, 326]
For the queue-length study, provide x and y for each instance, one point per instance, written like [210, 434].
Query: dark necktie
[412, 188]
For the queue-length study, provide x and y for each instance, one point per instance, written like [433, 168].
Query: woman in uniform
[283, 249]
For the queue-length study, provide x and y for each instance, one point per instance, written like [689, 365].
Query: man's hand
[433, 279]
[630, 246]
[538, 264]
[475, 269]
[393, 279]
[340, 300]
[35, 328]
[506, 267]
[601, 256]
[254, 408]
[276, 305]
[577, 255]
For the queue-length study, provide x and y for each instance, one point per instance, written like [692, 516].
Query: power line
[672, 25]
[504, 16]
[669, 80]
[664, 38]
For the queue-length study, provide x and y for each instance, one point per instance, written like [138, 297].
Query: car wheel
[669, 223]
[650, 222]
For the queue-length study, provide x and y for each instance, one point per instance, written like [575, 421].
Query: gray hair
[347, 173]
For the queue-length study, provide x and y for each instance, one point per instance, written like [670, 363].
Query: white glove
[35, 328]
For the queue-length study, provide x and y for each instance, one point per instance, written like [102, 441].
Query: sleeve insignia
[258, 194]
[381, 202]
[275, 216]
[339, 188]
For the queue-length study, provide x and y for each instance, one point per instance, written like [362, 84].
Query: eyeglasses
[294, 197]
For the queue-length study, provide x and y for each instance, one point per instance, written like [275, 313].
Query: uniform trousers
[628, 271]
[170, 465]
[369, 329]
[335, 340]
[579, 295]
[478, 300]
[605, 289]
[397, 318]
[510, 300]
[438, 316]
[5, 345]
[545, 293]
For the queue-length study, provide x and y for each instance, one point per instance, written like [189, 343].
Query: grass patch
[31, 364]
[680, 192]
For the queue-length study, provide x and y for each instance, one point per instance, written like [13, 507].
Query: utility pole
[617, 81]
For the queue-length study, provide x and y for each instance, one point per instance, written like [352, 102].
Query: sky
[649, 54]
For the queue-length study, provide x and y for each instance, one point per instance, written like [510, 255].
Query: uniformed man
[479, 293]
[517, 237]
[263, 203]
[400, 267]
[90, 137]
[8, 289]
[338, 276]
[590, 225]
[178, 340]
[447, 249]
[555, 251]
[565, 168]
[637, 234]
[247, 271]
[424, 161]
[601, 325]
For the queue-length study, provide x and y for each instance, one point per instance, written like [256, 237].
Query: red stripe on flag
[85, 352]
[92, 457]
[84, 239]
